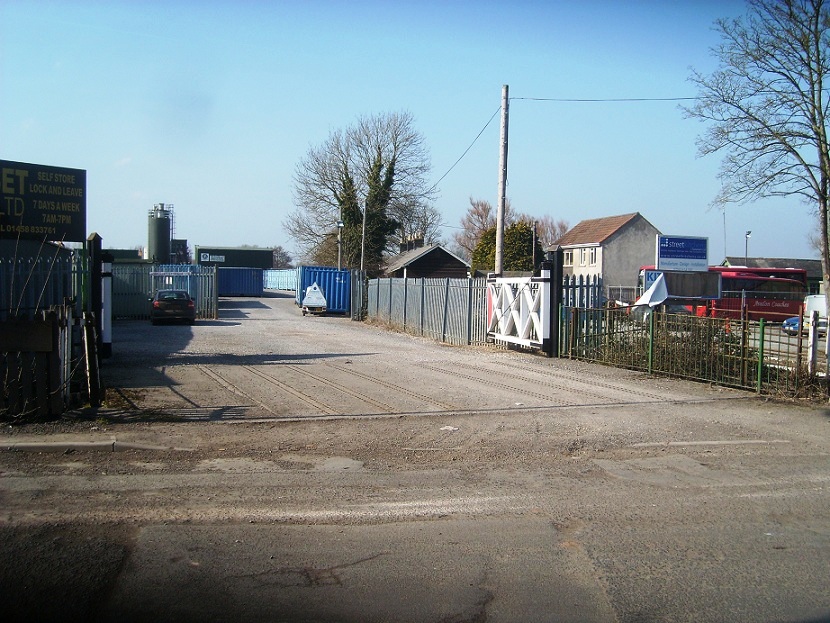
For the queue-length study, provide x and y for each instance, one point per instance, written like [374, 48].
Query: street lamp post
[746, 248]
[339, 245]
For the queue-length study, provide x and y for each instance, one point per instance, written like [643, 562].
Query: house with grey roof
[613, 248]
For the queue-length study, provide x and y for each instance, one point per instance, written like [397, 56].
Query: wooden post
[505, 103]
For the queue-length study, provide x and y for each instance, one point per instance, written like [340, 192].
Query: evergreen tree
[352, 217]
[483, 257]
[518, 248]
[379, 225]
[517, 255]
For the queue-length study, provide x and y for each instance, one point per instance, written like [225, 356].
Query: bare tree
[481, 217]
[549, 230]
[318, 182]
[340, 173]
[410, 203]
[766, 106]
[282, 258]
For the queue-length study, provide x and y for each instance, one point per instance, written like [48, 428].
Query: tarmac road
[274, 467]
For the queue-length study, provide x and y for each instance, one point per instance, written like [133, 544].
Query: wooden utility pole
[505, 103]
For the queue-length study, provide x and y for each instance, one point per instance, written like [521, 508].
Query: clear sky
[210, 105]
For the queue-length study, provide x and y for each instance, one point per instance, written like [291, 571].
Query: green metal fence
[753, 355]
[756, 356]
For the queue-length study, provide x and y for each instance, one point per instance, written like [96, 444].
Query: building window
[583, 257]
[592, 258]
[568, 258]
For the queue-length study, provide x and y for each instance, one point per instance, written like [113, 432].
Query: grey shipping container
[239, 281]
[335, 285]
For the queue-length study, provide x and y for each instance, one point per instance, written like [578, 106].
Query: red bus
[774, 294]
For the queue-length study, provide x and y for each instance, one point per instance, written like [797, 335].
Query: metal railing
[32, 284]
[448, 310]
[134, 284]
[752, 355]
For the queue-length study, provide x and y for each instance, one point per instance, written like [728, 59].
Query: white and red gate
[520, 311]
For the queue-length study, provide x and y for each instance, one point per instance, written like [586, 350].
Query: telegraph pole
[502, 180]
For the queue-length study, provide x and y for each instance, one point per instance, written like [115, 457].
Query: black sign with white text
[42, 202]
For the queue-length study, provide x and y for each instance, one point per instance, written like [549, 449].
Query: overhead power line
[609, 99]
[461, 157]
[577, 100]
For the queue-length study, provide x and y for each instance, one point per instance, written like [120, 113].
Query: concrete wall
[628, 250]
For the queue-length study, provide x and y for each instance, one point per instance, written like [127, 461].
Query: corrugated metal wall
[280, 279]
[449, 310]
[134, 284]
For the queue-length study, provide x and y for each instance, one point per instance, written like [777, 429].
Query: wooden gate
[30, 367]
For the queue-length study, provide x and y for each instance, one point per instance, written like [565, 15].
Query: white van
[815, 302]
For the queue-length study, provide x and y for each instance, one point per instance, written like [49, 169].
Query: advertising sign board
[682, 253]
[650, 278]
[42, 202]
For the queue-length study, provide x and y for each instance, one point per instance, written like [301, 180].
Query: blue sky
[211, 105]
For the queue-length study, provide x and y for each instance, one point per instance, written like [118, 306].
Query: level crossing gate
[520, 311]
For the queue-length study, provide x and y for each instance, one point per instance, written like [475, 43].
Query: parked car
[791, 326]
[168, 305]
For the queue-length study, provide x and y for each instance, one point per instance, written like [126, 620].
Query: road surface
[272, 467]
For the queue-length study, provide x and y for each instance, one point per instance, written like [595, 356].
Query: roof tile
[594, 231]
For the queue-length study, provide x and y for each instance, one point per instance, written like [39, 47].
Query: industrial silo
[158, 239]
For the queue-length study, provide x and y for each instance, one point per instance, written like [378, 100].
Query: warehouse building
[234, 257]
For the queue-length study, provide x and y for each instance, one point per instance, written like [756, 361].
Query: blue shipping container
[239, 281]
[336, 286]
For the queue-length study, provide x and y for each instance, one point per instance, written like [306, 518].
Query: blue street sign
[682, 253]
